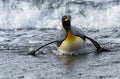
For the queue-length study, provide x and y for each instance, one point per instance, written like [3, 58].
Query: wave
[17, 14]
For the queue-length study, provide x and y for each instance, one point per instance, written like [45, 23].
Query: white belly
[71, 46]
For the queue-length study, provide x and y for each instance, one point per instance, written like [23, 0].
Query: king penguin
[70, 39]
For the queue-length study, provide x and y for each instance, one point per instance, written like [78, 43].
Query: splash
[47, 14]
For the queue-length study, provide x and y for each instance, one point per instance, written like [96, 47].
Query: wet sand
[14, 64]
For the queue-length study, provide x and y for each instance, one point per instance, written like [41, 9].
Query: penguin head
[66, 22]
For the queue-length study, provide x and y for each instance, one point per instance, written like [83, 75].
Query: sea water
[15, 14]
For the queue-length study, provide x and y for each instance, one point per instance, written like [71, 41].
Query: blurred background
[15, 14]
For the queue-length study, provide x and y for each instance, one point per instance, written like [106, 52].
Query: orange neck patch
[70, 37]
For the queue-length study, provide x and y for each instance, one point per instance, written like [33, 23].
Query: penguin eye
[69, 16]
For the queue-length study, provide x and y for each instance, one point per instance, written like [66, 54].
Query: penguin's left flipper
[97, 45]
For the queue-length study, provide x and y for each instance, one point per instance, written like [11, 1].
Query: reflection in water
[69, 62]
[71, 59]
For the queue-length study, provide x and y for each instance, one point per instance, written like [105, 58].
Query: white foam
[25, 15]
[99, 18]
[3, 39]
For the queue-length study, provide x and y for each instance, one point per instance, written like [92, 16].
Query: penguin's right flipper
[97, 45]
[34, 51]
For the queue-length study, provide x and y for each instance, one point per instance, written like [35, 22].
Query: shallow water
[25, 25]
[14, 64]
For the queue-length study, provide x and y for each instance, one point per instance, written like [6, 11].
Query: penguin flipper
[34, 51]
[97, 45]
[78, 32]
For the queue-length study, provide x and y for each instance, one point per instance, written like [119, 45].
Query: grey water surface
[26, 25]
[14, 64]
